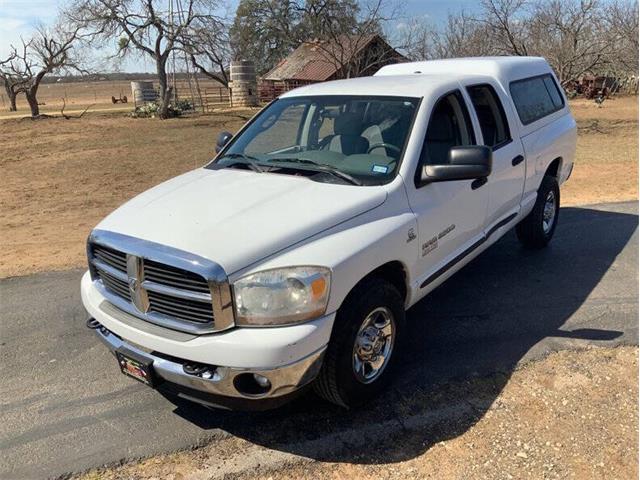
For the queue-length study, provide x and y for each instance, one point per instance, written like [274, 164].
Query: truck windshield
[343, 139]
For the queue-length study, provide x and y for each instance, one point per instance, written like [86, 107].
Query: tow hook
[93, 324]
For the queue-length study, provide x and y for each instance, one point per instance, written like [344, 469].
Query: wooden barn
[320, 61]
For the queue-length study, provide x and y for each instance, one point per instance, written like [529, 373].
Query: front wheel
[536, 230]
[361, 355]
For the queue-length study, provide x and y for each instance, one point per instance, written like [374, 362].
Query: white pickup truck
[290, 259]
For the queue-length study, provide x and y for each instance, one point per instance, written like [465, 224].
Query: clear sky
[20, 17]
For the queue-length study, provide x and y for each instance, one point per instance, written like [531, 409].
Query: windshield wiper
[321, 167]
[247, 160]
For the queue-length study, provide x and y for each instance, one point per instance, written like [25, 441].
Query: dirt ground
[606, 166]
[60, 177]
[555, 418]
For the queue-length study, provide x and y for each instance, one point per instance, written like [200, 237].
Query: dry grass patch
[60, 177]
[606, 167]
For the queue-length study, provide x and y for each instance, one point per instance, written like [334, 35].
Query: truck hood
[236, 217]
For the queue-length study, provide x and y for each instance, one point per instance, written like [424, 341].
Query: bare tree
[571, 36]
[462, 36]
[621, 19]
[49, 50]
[575, 36]
[144, 26]
[506, 27]
[10, 81]
[208, 48]
[501, 28]
[415, 39]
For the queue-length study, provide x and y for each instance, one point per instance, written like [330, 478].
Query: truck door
[506, 182]
[451, 215]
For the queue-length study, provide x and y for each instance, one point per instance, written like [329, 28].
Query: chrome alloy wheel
[549, 212]
[373, 345]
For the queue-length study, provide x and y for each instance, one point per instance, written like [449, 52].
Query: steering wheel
[385, 145]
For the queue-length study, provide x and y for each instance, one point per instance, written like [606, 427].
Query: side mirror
[465, 163]
[223, 139]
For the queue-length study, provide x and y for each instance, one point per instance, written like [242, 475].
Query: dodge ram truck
[290, 259]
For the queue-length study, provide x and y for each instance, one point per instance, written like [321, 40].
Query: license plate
[135, 366]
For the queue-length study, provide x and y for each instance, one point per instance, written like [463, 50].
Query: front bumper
[284, 380]
[289, 357]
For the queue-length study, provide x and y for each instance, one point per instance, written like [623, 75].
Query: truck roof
[396, 86]
[504, 69]
[418, 79]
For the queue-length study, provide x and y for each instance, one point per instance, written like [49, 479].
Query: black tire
[337, 381]
[536, 231]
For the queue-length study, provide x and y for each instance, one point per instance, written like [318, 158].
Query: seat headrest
[347, 123]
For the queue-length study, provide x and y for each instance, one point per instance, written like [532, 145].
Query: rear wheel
[537, 229]
[361, 355]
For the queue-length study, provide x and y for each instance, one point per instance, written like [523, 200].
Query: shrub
[151, 109]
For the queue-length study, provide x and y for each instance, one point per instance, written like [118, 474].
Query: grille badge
[135, 273]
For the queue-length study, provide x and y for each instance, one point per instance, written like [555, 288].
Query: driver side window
[449, 126]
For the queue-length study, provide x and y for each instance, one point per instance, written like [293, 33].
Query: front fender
[355, 248]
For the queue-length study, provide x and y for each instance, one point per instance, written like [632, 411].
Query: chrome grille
[111, 267]
[154, 289]
[182, 308]
[116, 285]
[111, 257]
[174, 277]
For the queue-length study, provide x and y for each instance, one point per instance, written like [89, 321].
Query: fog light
[251, 384]
[262, 381]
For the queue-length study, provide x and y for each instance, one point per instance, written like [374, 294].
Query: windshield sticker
[380, 169]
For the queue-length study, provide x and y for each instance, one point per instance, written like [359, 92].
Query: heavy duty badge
[430, 245]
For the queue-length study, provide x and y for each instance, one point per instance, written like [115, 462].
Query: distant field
[78, 96]
[60, 177]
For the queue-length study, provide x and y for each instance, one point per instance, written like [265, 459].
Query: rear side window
[493, 121]
[552, 88]
[536, 97]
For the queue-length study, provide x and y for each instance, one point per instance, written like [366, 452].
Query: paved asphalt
[65, 407]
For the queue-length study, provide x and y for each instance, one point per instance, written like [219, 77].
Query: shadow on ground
[482, 321]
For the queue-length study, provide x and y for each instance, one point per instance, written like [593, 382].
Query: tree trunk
[12, 97]
[33, 103]
[165, 91]
[32, 93]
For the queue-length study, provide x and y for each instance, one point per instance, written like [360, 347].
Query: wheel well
[394, 273]
[554, 167]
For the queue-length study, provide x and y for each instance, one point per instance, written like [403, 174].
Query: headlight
[282, 296]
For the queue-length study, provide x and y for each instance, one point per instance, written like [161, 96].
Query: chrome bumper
[284, 380]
